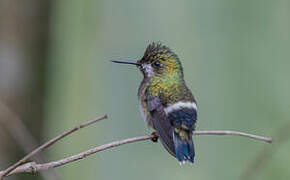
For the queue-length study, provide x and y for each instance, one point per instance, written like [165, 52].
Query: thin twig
[32, 167]
[234, 133]
[47, 144]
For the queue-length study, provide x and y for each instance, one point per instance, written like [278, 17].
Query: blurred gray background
[55, 72]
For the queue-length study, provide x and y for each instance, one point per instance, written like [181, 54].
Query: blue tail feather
[184, 149]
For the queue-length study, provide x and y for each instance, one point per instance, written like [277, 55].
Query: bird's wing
[161, 123]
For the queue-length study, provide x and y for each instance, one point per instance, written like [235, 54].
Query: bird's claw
[155, 137]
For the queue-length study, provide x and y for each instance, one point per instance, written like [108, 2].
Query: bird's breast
[143, 103]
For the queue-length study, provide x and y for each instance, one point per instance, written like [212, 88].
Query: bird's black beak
[126, 62]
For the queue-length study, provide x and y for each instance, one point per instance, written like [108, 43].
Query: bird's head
[158, 61]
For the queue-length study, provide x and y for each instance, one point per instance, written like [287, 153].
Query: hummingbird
[165, 102]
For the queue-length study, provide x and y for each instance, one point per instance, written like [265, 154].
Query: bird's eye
[157, 64]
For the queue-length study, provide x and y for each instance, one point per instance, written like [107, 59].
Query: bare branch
[47, 144]
[234, 133]
[32, 167]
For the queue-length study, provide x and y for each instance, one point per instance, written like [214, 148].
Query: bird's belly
[145, 113]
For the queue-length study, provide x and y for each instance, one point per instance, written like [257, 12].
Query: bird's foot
[155, 137]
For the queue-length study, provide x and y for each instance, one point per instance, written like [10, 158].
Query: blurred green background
[55, 72]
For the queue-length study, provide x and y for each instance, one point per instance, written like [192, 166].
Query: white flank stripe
[180, 105]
